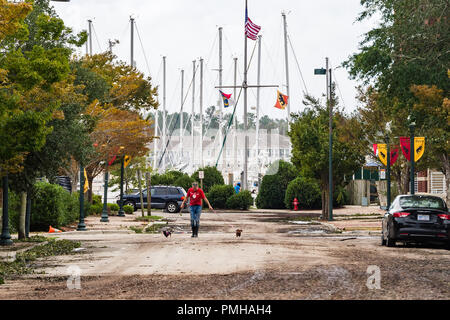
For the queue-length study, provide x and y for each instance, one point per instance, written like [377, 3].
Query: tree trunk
[404, 180]
[149, 194]
[22, 215]
[89, 192]
[325, 198]
[446, 167]
[140, 191]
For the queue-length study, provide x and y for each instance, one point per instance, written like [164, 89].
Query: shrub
[128, 209]
[241, 201]
[219, 194]
[212, 177]
[51, 205]
[274, 184]
[96, 199]
[95, 209]
[113, 207]
[184, 181]
[306, 190]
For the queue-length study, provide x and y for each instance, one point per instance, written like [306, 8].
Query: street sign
[201, 174]
[320, 71]
[382, 174]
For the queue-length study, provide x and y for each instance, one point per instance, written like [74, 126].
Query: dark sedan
[416, 218]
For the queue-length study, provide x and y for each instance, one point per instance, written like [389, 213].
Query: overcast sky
[184, 30]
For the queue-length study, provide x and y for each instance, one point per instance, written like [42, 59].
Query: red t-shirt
[195, 197]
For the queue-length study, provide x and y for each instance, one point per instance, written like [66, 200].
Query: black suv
[163, 197]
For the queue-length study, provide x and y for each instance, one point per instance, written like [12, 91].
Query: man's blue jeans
[196, 211]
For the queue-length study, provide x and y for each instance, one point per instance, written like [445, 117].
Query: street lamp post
[122, 169]
[327, 72]
[105, 197]
[388, 171]
[412, 127]
[5, 239]
[81, 224]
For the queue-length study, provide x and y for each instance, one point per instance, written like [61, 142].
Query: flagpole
[286, 57]
[164, 115]
[192, 116]
[235, 146]
[181, 116]
[201, 112]
[244, 183]
[221, 103]
[258, 101]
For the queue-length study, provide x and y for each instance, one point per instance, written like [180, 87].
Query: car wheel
[390, 242]
[130, 203]
[172, 207]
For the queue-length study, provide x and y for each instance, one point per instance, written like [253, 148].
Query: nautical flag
[282, 101]
[126, 161]
[226, 99]
[86, 182]
[251, 29]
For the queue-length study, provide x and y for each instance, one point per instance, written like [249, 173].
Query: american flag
[251, 29]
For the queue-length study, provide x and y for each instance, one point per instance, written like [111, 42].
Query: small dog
[238, 233]
[167, 233]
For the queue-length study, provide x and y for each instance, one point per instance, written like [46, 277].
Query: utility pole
[181, 115]
[258, 101]
[164, 114]
[132, 41]
[90, 37]
[193, 115]
[201, 112]
[286, 58]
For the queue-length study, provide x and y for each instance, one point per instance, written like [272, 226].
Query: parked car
[416, 218]
[163, 197]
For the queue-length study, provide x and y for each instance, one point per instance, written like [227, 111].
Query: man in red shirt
[195, 195]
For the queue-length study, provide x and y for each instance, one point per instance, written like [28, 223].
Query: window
[174, 191]
[422, 202]
[160, 191]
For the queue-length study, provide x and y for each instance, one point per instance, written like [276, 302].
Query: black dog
[238, 233]
[167, 233]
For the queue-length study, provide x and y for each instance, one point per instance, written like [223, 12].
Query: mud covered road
[279, 256]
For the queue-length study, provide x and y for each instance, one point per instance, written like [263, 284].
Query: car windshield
[422, 202]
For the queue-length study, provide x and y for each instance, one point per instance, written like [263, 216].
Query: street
[280, 255]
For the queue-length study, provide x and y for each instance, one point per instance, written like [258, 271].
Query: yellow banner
[419, 148]
[126, 161]
[382, 153]
[86, 182]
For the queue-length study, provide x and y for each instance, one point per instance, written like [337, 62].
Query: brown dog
[238, 233]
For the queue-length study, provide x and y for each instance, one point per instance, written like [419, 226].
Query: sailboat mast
[90, 38]
[235, 146]
[193, 115]
[181, 115]
[286, 58]
[164, 142]
[201, 112]
[220, 102]
[132, 42]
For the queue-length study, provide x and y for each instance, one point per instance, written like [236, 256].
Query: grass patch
[34, 239]
[154, 228]
[149, 218]
[360, 215]
[22, 264]
[137, 229]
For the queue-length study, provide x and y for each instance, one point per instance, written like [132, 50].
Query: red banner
[375, 147]
[394, 155]
[406, 147]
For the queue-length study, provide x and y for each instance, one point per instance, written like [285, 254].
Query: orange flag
[282, 101]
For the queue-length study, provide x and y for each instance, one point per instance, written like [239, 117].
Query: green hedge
[113, 207]
[306, 190]
[241, 201]
[219, 194]
[273, 186]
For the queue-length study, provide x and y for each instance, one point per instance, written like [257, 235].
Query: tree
[309, 135]
[410, 47]
[212, 177]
